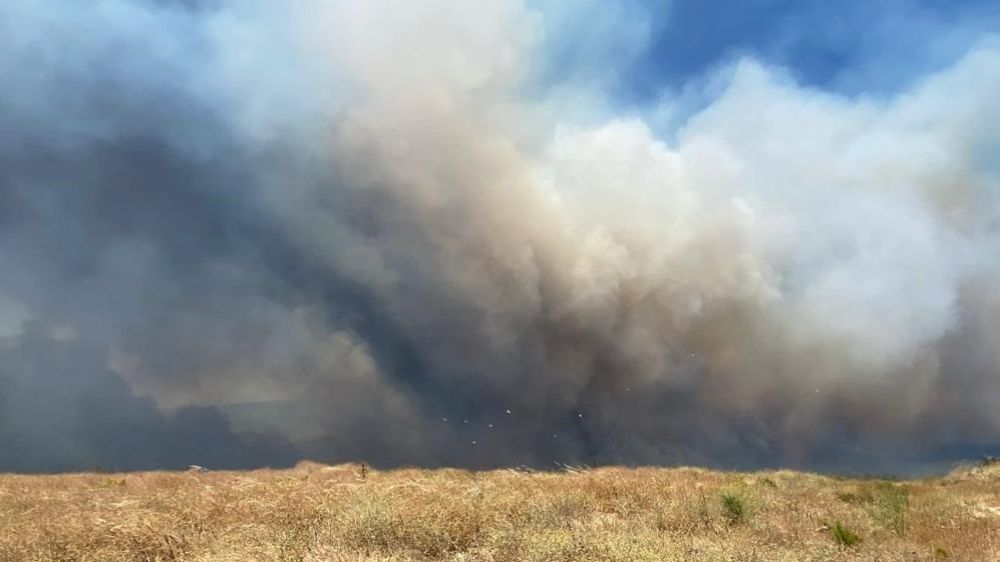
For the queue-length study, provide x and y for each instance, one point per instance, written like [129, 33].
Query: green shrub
[734, 508]
[887, 503]
[855, 498]
[891, 507]
[844, 536]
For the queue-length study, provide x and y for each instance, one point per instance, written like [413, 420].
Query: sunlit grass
[345, 513]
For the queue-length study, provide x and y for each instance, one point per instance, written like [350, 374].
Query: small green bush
[886, 502]
[844, 536]
[855, 498]
[891, 508]
[734, 508]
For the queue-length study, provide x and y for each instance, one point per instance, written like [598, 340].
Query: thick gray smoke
[254, 232]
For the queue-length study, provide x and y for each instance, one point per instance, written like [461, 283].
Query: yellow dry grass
[322, 513]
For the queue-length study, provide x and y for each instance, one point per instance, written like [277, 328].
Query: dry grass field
[340, 513]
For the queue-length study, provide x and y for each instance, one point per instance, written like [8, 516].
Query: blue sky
[877, 46]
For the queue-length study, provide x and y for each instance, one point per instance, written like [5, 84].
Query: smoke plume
[242, 233]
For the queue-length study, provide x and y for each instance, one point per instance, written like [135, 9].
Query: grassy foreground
[338, 513]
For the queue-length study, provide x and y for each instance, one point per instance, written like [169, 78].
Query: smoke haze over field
[436, 233]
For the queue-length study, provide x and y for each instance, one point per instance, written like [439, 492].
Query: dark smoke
[62, 408]
[250, 233]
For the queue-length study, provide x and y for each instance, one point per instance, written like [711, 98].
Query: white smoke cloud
[367, 210]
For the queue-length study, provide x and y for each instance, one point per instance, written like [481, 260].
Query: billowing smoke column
[252, 232]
